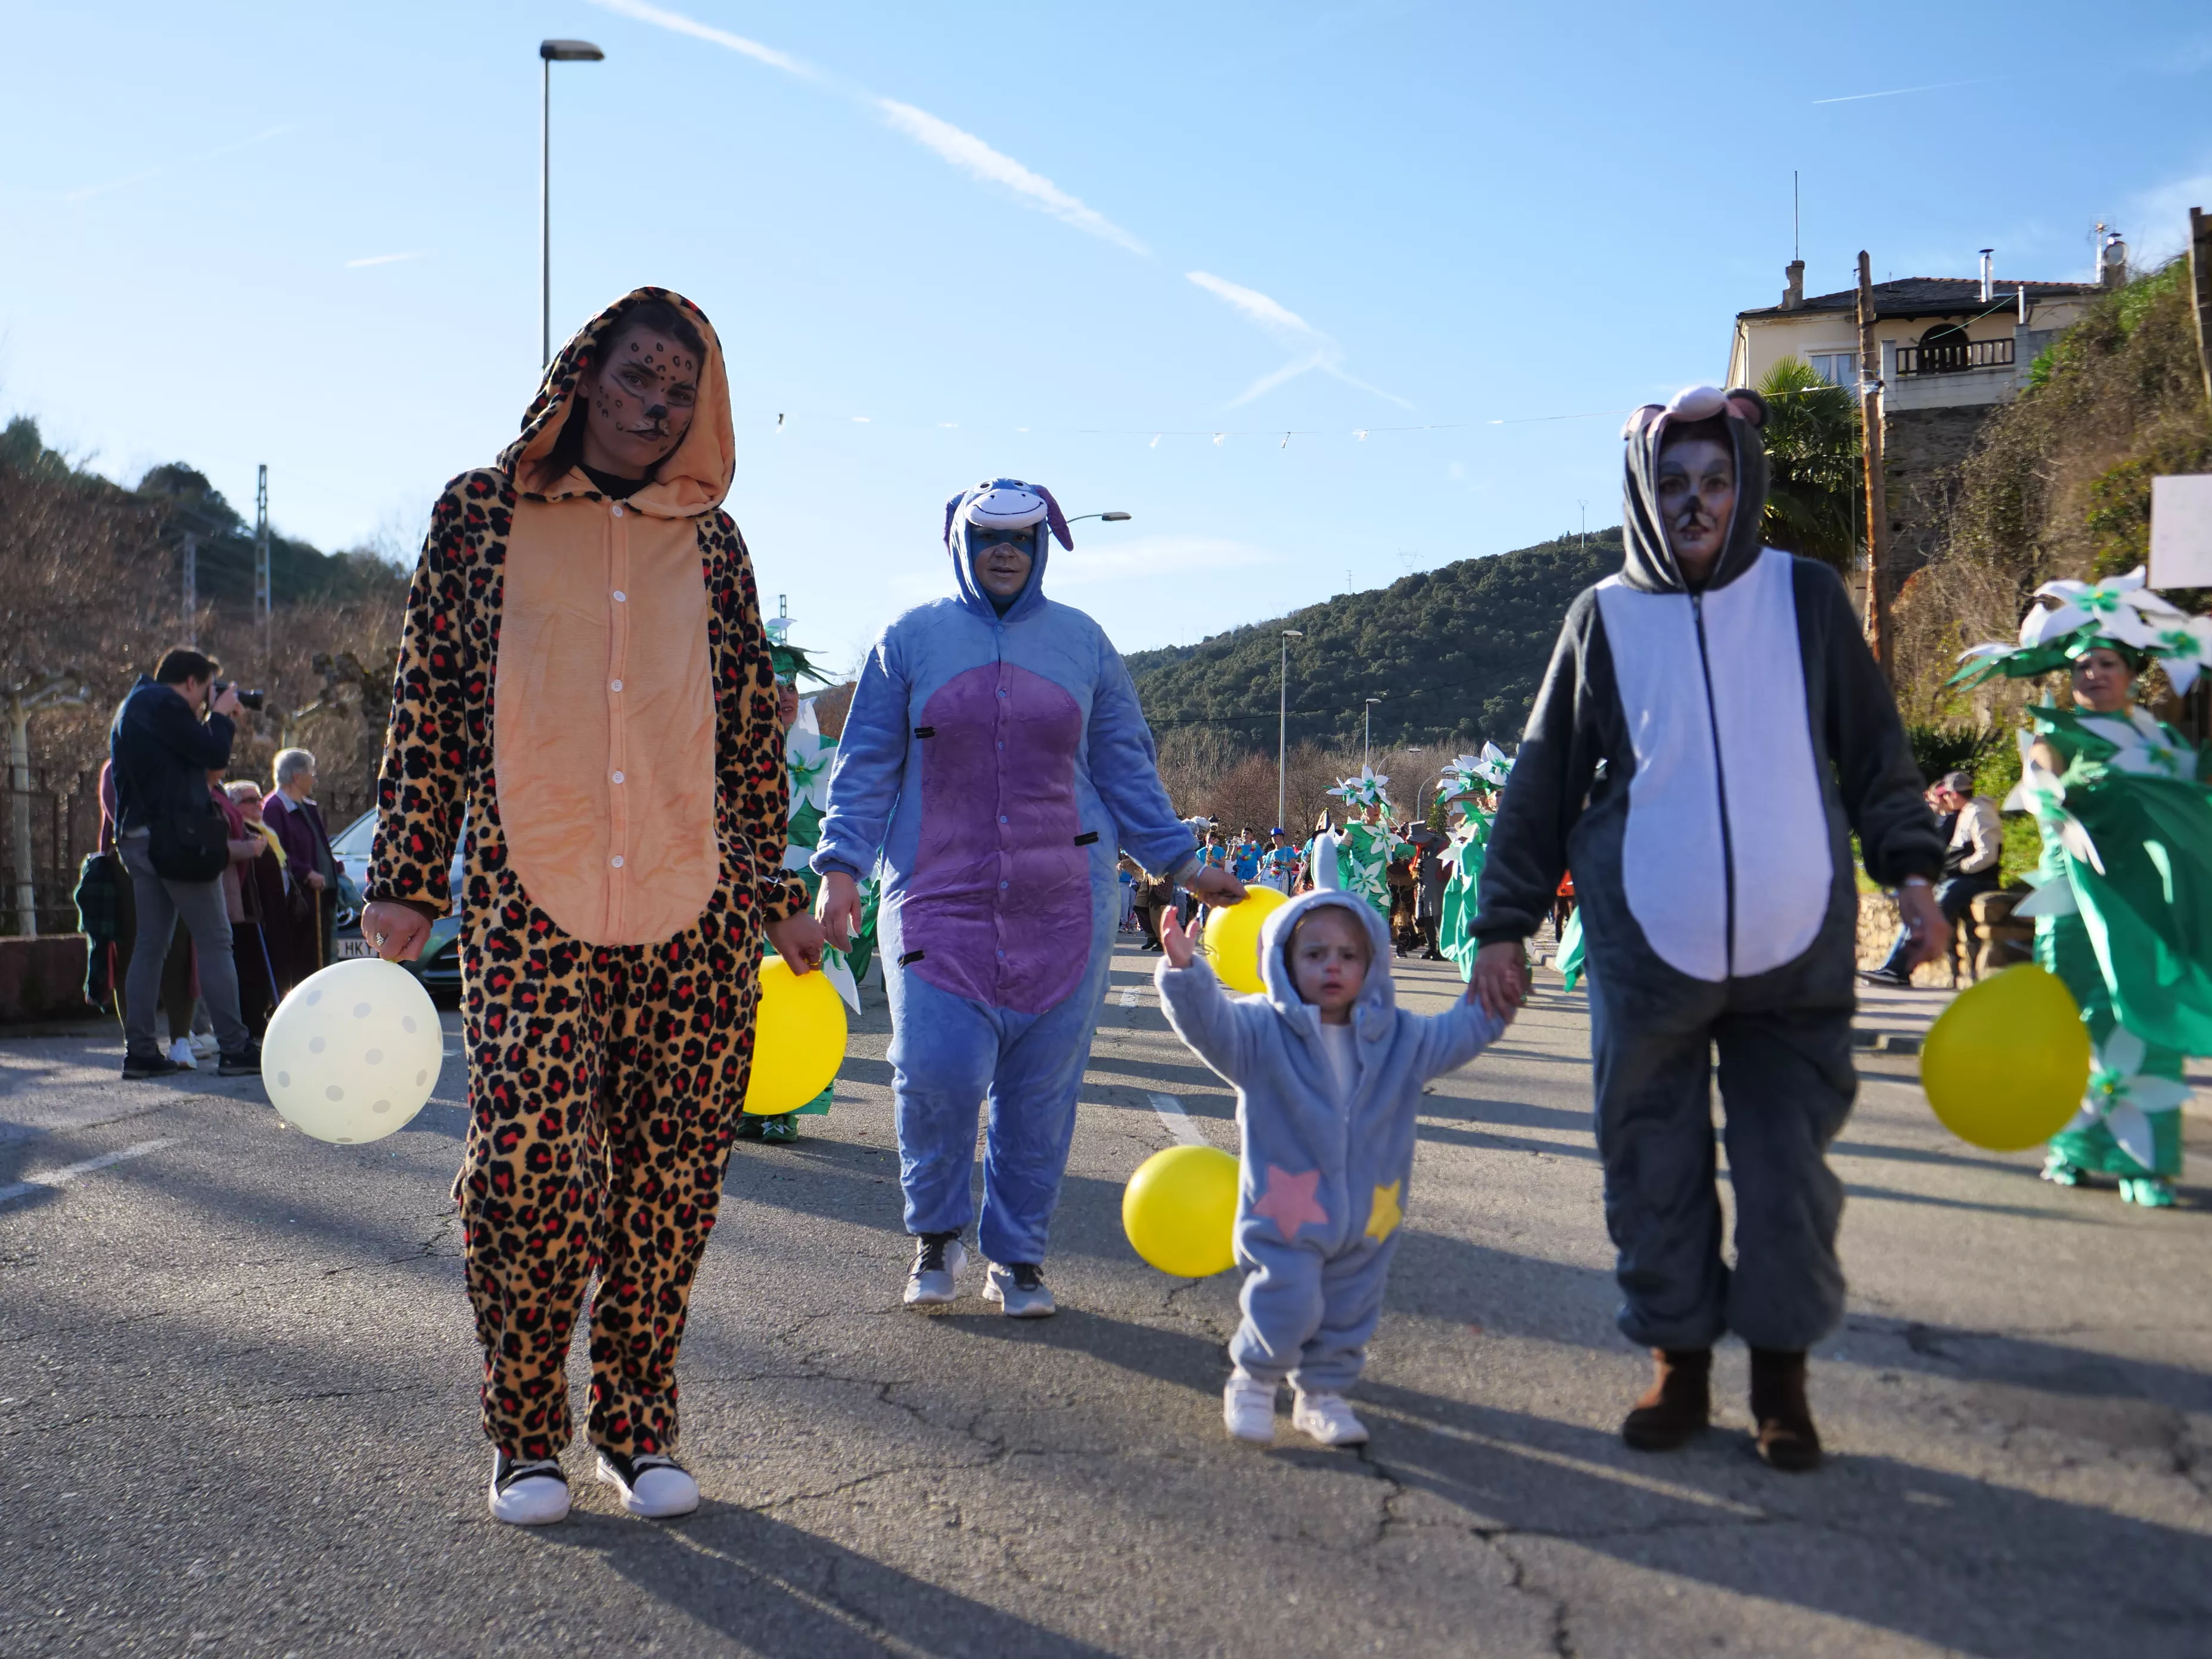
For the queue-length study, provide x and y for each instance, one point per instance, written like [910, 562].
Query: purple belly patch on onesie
[999, 904]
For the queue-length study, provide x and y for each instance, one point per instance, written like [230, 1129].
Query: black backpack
[190, 842]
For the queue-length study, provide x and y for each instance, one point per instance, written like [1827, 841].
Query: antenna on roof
[1795, 251]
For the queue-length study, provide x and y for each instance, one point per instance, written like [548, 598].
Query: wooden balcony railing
[1951, 357]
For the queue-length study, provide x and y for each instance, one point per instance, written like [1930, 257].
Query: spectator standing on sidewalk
[169, 731]
[313, 867]
[1976, 848]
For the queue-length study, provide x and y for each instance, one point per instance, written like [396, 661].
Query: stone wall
[1878, 927]
[1921, 452]
[43, 978]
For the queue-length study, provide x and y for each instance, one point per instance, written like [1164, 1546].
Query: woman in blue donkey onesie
[996, 763]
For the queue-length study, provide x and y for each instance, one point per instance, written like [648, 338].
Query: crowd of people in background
[210, 898]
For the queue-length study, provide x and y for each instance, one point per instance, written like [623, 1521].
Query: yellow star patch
[1383, 1217]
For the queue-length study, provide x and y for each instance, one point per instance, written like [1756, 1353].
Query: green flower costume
[807, 758]
[2122, 906]
[1461, 781]
[1363, 851]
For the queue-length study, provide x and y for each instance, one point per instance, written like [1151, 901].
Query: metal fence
[48, 830]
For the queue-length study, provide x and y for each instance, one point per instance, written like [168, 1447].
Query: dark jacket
[299, 826]
[163, 752]
[1688, 724]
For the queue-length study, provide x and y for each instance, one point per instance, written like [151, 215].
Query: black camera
[253, 700]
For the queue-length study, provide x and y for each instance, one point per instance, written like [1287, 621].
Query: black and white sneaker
[528, 1493]
[652, 1485]
[136, 1066]
[247, 1062]
[939, 1259]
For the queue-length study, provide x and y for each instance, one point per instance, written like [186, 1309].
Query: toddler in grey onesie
[1328, 1072]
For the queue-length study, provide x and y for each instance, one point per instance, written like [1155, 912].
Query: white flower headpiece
[1363, 791]
[2123, 610]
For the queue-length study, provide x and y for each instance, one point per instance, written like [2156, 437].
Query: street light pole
[550, 53]
[1367, 730]
[1283, 728]
[1109, 518]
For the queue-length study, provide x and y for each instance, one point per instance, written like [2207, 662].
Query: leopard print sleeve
[422, 787]
[752, 798]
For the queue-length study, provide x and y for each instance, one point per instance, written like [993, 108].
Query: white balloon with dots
[354, 1051]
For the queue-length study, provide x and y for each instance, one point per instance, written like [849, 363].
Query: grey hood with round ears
[1649, 563]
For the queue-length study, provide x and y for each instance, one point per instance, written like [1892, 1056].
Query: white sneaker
[1020, 1290]
[532, 1494]
[1328, 1419]
[180, 1051]
[1248, 1407]
[652, 1485]
[204, 1043]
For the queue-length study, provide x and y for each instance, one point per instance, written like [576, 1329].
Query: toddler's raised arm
[1218, 1030]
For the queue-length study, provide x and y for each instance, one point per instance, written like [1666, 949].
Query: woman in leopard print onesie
[585, 699]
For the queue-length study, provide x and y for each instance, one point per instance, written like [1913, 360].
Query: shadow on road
[789, 1594]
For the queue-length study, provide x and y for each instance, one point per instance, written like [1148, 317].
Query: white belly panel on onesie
[1674, 869]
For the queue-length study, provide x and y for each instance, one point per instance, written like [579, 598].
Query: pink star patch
[1288, 1200]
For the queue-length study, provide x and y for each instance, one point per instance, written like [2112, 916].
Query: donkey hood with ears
[1003, 510]
[1648, 564]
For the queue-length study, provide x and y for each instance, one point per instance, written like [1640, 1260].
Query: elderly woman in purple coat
[995, 762]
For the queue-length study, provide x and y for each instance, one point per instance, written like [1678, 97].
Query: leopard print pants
[603, 1084]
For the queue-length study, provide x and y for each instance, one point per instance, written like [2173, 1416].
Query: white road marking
[1129, 997]
[70, 1172]
[1179, 1124]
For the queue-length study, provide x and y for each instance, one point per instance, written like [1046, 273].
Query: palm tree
[1814, 487]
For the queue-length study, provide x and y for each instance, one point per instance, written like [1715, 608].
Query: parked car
[439, 967]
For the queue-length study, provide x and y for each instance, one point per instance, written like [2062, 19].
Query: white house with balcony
[1952, 350]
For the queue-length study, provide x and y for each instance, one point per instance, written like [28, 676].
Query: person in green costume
[807, 758]
[1467, 785]
[2122, 905]
[1367, 845]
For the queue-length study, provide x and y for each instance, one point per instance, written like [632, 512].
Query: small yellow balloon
[2006, 1064]
[1180, 1211]
[1232, 938]
[799, 1040]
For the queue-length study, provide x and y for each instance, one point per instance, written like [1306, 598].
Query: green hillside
[1457, 653]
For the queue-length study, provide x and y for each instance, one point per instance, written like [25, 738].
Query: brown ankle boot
[1787, 1438]
[1679, 1403]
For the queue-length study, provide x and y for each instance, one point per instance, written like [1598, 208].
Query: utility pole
[1283, 727]
[261, 557]
[2200, 273]
[191, 564]
[1877, 493]
[550, 53]
[1367, 730]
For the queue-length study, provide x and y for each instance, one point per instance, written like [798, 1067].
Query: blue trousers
[950, 1054]
[1309, 1317]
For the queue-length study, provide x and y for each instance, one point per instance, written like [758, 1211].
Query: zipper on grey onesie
[1720, 781]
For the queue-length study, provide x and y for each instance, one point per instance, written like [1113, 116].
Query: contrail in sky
[1316, 349]
[90, 190]
[385, 259]
[949, 143]
[1899, 92]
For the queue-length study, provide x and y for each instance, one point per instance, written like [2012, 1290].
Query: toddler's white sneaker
[1328, 1419]
[1248, 1407]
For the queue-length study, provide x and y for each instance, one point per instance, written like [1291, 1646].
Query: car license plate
[350, 948]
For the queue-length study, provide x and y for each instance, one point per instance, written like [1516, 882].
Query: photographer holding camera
[168, 734]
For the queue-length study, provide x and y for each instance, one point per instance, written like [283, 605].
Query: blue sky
[1069, 244]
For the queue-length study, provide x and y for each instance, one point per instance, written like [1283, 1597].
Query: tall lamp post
[1367, 730]
[1283, 728]
[550, 53]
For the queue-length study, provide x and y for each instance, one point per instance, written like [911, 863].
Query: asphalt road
[237, 1405]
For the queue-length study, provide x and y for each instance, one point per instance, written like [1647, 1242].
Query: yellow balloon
[1180, 1211]
[798, 1039]
[1232, 938]
[354, 1051]
[2006, 1064]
